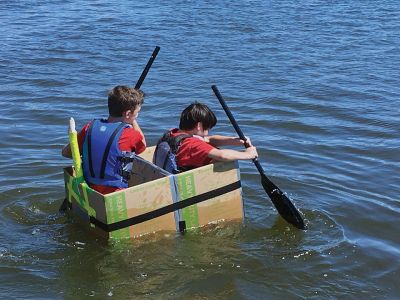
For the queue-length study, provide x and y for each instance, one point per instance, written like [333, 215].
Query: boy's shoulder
[130, 131]
[195, 139]
[196, 142]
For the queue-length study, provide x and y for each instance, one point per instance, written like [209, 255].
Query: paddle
[147, 68]
[282, 203]
[139, 83]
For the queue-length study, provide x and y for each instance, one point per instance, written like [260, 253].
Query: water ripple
[316, 87]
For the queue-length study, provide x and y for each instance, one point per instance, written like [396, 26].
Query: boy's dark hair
[197, 112]
[123, 98]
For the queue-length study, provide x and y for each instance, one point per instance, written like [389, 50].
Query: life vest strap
[107, 150]
[173, 143]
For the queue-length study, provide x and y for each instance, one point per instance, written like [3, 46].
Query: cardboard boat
[157, 201]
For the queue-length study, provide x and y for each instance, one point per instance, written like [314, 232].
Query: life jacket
[102, 160]
[166, 150]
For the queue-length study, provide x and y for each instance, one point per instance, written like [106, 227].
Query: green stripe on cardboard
[186, 187]
[117, 211]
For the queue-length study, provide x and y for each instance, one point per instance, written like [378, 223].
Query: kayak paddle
[147, 68]
[281, 202]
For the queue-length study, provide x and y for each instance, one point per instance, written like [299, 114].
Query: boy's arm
[136, 126]
[66, 151]
[230, 155]
[221, 140]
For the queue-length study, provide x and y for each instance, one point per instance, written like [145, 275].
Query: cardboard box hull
[158, 201]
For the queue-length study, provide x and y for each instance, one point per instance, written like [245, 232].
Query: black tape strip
[182, 226]
[166, 209]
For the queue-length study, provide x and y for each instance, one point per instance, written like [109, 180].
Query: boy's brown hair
[197, 112]
[123, 98]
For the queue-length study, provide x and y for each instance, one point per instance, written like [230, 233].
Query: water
[315, 84]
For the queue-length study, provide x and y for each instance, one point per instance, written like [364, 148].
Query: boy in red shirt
[198, 148]
[103, 142]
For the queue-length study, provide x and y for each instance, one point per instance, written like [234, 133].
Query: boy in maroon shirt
[124, 104]
[198, 148]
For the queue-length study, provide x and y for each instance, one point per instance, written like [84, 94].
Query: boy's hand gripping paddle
[282, 203]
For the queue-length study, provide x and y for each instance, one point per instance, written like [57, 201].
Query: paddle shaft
[235, 124]
[147, 68]
[282, 203]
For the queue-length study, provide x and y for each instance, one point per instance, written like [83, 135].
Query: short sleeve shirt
[193, 152]
[130, 139]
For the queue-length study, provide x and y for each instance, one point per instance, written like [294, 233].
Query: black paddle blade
[63, 206]
[282, 203]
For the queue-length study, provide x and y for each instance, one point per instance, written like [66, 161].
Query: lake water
[315, 84]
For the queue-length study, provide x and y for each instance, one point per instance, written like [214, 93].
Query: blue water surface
[315, 84]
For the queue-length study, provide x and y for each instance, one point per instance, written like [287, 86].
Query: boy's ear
[199, 126]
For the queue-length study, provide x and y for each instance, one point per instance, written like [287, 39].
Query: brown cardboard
[151, 189]
[148, 153]
[201, 180]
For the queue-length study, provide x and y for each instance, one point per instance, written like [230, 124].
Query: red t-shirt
[130, 140]
[193, 152]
